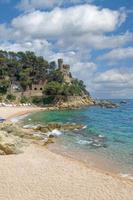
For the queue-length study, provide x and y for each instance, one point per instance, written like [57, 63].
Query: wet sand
[38, 174]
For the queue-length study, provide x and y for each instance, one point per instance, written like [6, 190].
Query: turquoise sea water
[106, 140]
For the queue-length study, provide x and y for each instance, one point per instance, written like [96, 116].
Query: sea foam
[128, 176]
[55, 132]
[83, 142]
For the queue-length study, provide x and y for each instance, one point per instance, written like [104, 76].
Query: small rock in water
[98, 141]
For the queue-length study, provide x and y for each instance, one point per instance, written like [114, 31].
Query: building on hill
[65, 69]
[33, 90]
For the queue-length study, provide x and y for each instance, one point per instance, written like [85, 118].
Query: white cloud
[114, 83]
[118, 54]
[95, 41]
[40, 47]
[77, 21]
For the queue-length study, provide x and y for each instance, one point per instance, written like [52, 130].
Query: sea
[105, 142]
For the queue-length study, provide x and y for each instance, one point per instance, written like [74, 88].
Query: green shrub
[1, 98]
[11, 97]
[56, 88]
[24, 99]
[4, 84]
[53, 88]
[48, 100]
[37, 100]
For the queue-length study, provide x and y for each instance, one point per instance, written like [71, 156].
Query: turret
[60, 64]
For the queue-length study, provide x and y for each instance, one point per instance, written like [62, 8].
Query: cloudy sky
[94, 36]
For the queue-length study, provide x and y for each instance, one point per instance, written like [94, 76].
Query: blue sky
[94, 36]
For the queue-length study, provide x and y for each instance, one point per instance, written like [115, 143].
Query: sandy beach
[10, 112]
[38, 174]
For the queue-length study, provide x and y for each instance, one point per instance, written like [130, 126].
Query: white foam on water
[97, 145]
[129, 176]
[84, 127]
[101, 136]
[55, 132]
[83, 142]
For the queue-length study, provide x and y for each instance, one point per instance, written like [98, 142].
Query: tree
[56, 76]
[53, 88]
[4, 84]
[11, 97]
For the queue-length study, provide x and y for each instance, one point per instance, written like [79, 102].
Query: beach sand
[38, 174]
[10, 112]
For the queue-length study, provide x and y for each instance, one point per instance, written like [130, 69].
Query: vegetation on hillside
[57, 88]
[26, 69]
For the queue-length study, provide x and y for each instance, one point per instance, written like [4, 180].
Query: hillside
[26, 77]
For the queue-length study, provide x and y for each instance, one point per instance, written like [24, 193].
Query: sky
[94, 36]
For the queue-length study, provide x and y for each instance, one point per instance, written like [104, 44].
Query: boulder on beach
[13, 138]
[9, 144]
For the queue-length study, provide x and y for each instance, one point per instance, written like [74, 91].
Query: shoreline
[100, 175]
[24, 111]
[28, 110]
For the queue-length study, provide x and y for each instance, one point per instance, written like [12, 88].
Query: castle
[37, 89]
[65, 69]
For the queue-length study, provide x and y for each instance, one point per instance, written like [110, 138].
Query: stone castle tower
[65, 69]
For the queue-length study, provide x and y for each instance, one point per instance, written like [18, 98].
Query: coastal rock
[9, 144]
[2, 152]
[52, 126]
[48, 141]
[12, 129]
[73, 102]
[44, 142]
[13, 138]
[123, 102]
[106, 104]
